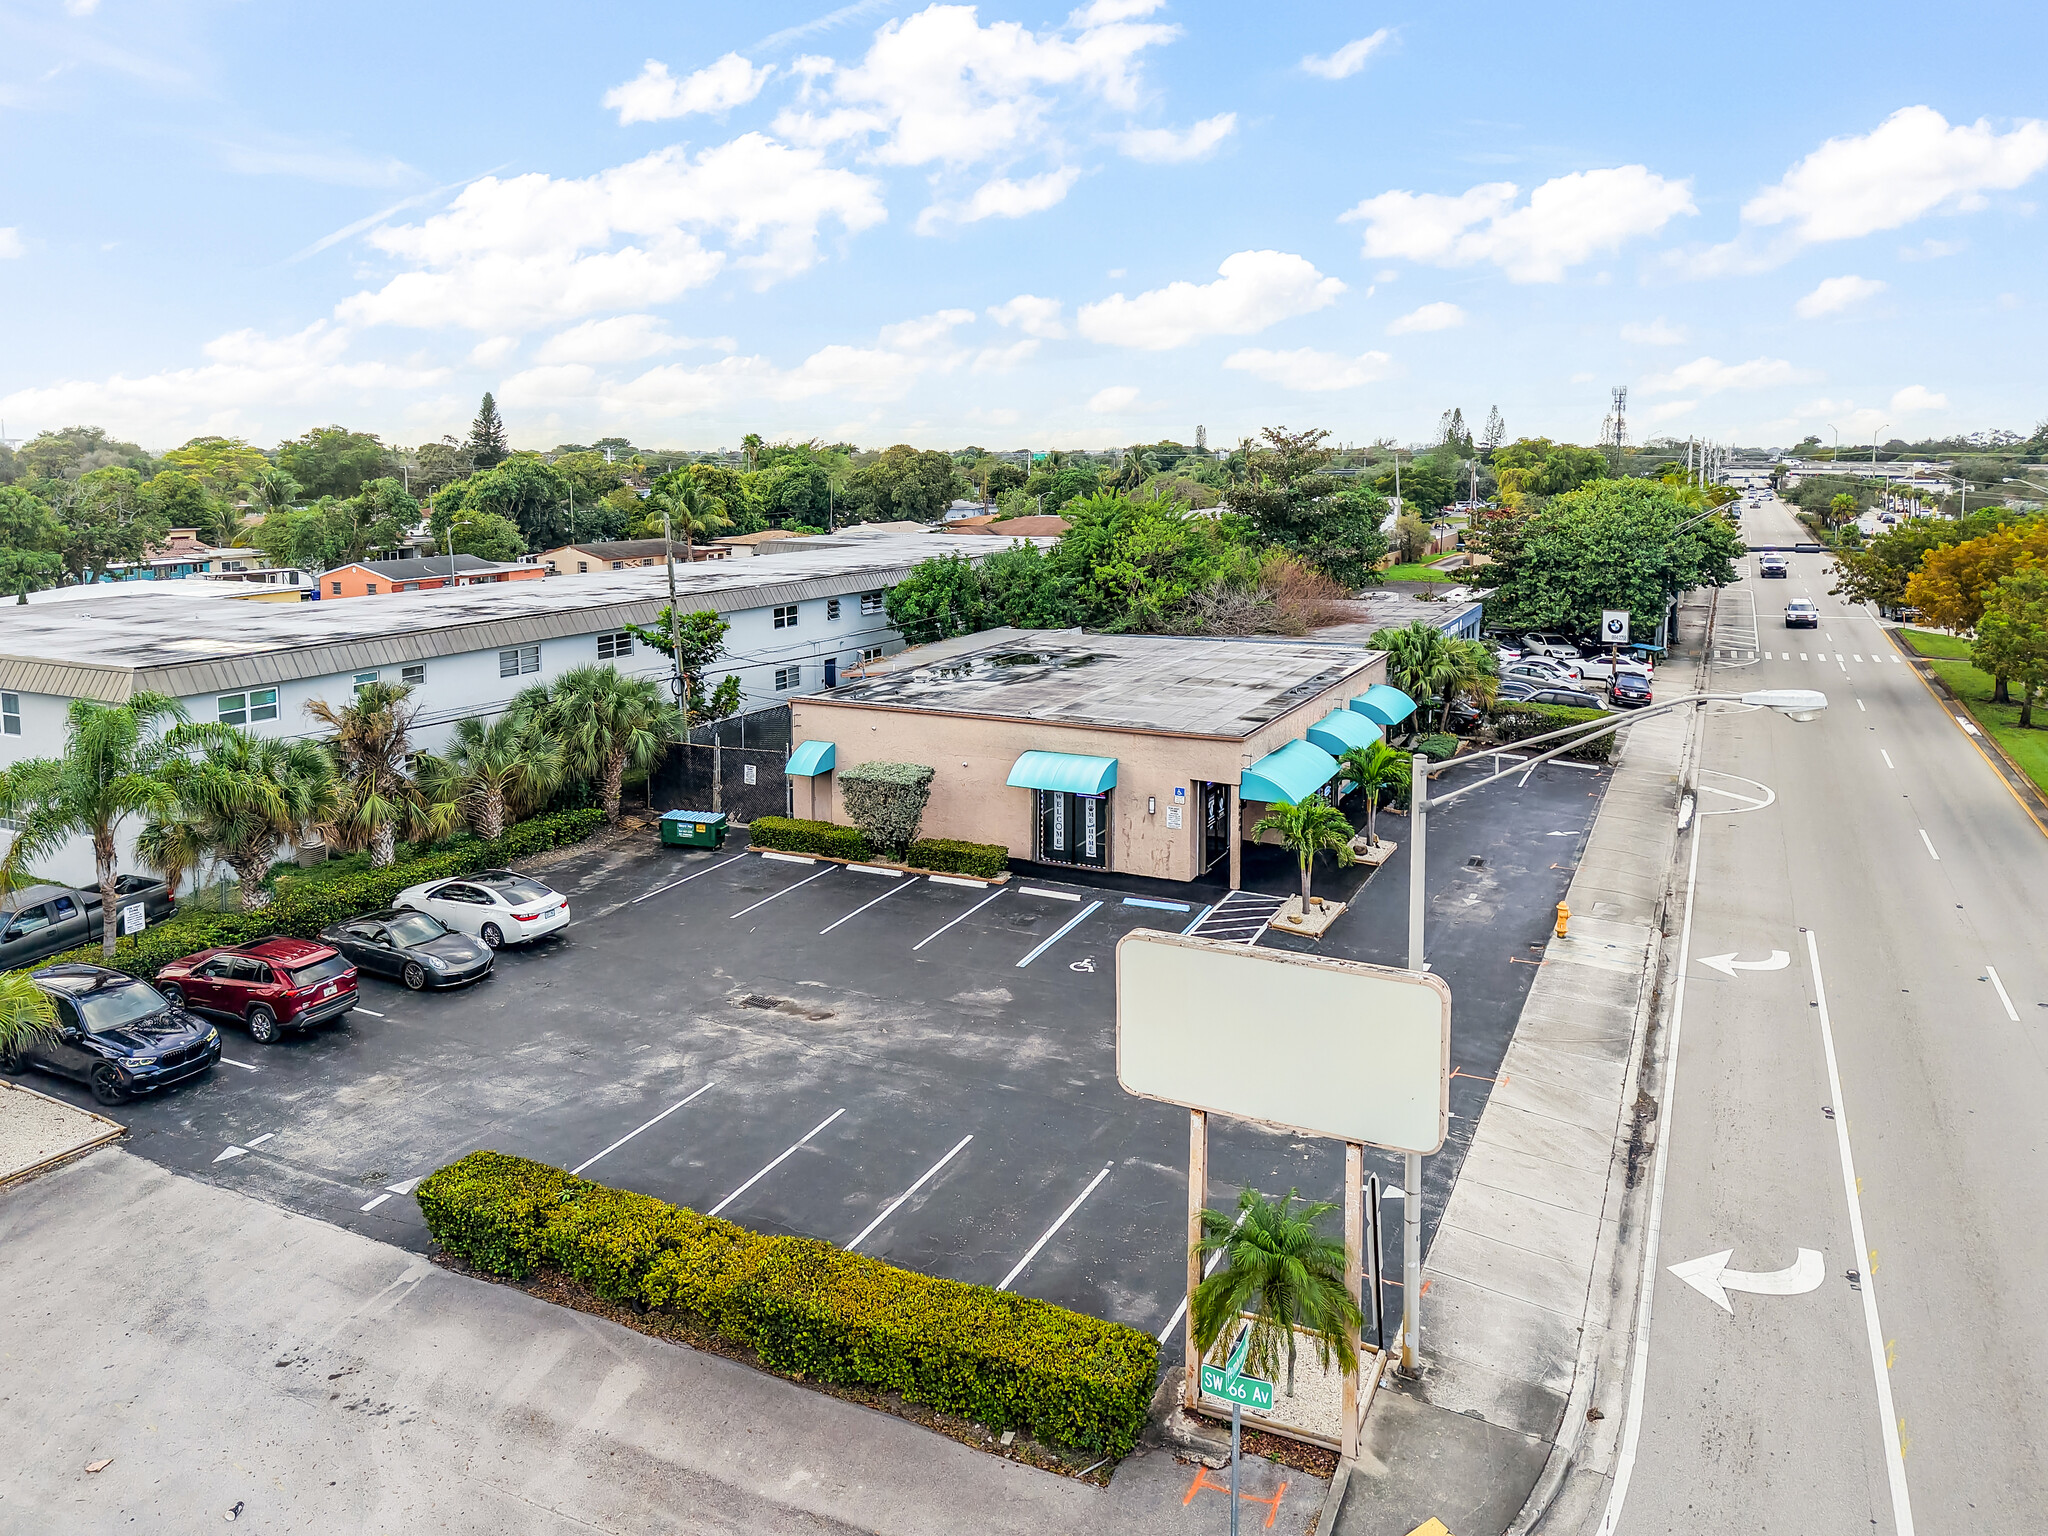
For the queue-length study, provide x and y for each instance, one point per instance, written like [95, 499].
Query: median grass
[1950, 656]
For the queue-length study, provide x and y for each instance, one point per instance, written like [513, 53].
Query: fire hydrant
[1564, 917]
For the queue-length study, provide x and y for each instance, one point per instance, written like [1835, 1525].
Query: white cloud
[1164, 146]
[336, 166]
[1915, 398]
[654, 94]
[1911, 164]
[533, 250]
[926, 331]
[1310, 370]
[489, 353]
[1658, 333]
[1348, 60]
[1115, 398]
[1710, 376]
[80, 7]
[1254, 289]
[1430, 317]
[620, 339]
[1031, 315]
[11, 244]
[1003, 199]
[1932, 250]
[1836, 294]
[1003, 359]
[1567, 220]
[1671, 410]
[1102, 12]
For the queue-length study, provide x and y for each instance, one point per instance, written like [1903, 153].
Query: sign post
[1229, 1381]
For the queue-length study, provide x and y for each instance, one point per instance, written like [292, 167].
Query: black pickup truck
[39, 920]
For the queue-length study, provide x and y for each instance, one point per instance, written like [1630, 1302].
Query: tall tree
[1375, 771]
[376, 794]
[1953, 585]
[333, 461]
[500, 769]
[242, 800]
[701, 643]
[688, 509]
[1452, 433]
[607, 723]
[119, 761]
[487, 447]
[2012, 635]
[1496, 431]
[1420, 660]
[31, 543]
[107, 520]
[940, 598]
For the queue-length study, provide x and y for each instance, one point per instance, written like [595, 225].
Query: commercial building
[1458, 611]
[382, 578]
[1146, 754]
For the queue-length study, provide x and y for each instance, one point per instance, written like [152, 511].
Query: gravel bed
[34, 1128]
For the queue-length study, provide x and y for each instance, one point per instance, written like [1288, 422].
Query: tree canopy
[333, 461]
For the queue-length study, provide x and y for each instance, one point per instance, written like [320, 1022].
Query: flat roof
[1396, 607]
[118, 637]
[1184, 684]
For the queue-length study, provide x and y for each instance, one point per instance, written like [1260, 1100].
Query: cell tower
[1202, 439]
[1614, 431]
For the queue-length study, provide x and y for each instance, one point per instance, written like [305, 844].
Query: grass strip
[1949, 655]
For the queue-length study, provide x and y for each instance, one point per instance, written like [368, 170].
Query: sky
[951, 225]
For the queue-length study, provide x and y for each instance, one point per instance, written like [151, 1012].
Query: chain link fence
[733, 765]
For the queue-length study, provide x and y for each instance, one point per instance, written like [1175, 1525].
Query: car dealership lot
[925, 1066]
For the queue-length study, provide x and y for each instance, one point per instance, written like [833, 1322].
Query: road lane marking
[687, 878]
[1859, 705]
[1930, 845]
[1065, 1216]
[242, 1064]
[1999, 987]
[1071, 924]
[1887, 758]
[807, 879]
[920, 944]
[856, 912]
[777, 1163]
[262, 1139]
[1802, 655]
[1895, 1461]
[1855, 658]
[232, 1152]
[890, 1209]
[607, 1152]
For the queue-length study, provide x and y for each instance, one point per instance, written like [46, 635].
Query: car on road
[1629, 690]
[1801, 614]
[41, 920]
[411, 947]
[115, 1033]
[497, 906]
[268, 986]
[1772, 565]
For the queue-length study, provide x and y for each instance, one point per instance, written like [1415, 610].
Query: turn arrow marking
[1728, 965]
[1713, 1279]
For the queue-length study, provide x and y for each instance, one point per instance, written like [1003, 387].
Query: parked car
[1543, 643]
[1801, 614]
[1629, 690]
[1603, 669]
[1540, 676]
[1772, 565]
[269, 986]
[411, 947]
[1569, 698]
[497, 906]
[115, 1033]
[41, 920]
[1514, 691]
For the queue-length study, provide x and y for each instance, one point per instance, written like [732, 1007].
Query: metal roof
[424, 568]
[108, 647]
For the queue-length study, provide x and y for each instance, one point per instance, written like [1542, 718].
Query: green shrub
[950, 856]
[806, 1308]
[887, 800]
[172, 939]
[792, 834]
[1437, 746]
[1518, 722]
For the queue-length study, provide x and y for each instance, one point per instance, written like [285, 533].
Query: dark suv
[271, 985]
[116, 1034]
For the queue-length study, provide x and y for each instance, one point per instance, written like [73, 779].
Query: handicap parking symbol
[1083, 965]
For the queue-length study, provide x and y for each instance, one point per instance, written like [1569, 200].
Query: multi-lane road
[1857, 1060]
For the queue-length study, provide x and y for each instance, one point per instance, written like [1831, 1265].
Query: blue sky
[1002, 225]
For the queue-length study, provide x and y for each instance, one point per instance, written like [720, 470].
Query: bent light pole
[1794, 703]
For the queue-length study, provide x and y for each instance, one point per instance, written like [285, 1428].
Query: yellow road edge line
[1912, 656]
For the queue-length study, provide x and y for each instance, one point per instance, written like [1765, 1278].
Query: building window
[410, 586]
[618, 565]
[785, 617]
[582, 567]
[370, 587]
[518, 659]
[787, 678]
[831, 607]
[870, 603]
[337, 589]
[414, 677]
[363, 680]
[10, 713]
[247, 708]
[871, 653]
[613, 647]
[1073, 829]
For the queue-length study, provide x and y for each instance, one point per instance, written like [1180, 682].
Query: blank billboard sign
[1324, 1047]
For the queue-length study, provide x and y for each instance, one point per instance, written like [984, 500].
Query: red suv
[270, 985]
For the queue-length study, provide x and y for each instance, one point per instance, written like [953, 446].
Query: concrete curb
[114, 1132]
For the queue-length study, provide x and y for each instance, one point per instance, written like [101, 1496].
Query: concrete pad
[1507, 1360]
[1561, 1098]
[1545, 1136]
[1540, 1279]
[1497, 1165]
[1549, 1229]
[1418, 1462]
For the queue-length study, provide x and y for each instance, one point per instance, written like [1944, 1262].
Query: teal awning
[1068, 772]
[809, 758]
[1290, 775]
[1342, 729]
[1389, 706]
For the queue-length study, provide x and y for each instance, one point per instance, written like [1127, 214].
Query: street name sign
[1244, 1391]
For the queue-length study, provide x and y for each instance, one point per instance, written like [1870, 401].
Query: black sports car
[410, 947]
[115, 1033]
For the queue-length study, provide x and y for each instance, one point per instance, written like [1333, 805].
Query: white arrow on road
[1713, 1279]
[1728, 965]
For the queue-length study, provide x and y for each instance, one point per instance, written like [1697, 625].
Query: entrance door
[831, 671]
[1216, 827]
[1073, 829]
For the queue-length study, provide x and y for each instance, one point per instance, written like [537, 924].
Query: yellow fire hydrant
[1564, 917]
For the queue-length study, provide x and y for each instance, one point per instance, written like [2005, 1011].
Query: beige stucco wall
[973, 755]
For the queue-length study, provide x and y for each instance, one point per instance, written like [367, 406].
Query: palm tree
[1470, 668]
[1375, 770]
[691, 512]
[375, 795]
[241, 801]
[25, 1015]
[1286, 1273]
[606, 722]
[501, 770]
[1310, 826]
[1418, 659]
[117, 763]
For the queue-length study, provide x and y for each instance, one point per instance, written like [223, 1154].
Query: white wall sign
[1173, 818]
[747, 773]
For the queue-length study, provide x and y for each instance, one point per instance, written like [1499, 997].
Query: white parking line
[1999, 987]
[1887, 758]
[1039, 890]
[1072, 923]
[1930, 845]
[638, 1129]
[376, 1202]
[777, 1163]
[1065, 1216]
[856, 912]
[687, 878]
[821, 874]
[890, 1209]
[359, 1008]
[230, 1061]
[920, 944]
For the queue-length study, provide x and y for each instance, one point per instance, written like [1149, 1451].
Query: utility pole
[675, 641]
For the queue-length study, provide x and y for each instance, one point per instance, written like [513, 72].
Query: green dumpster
[693, 829]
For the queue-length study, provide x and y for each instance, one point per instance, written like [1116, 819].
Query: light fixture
[1794, 703]
[1151, 805]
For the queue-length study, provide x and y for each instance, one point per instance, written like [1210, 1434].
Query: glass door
[1215, 825]
[1073, 829]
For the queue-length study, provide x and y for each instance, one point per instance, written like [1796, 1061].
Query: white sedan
[497, 906]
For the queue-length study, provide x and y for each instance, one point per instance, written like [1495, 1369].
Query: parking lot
[919, 1067]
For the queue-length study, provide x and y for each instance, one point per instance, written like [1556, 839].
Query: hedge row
[792, 834]
[1437, 746]
[1517, 722]
[808, 1309]
[950, 856]
[302, 908]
